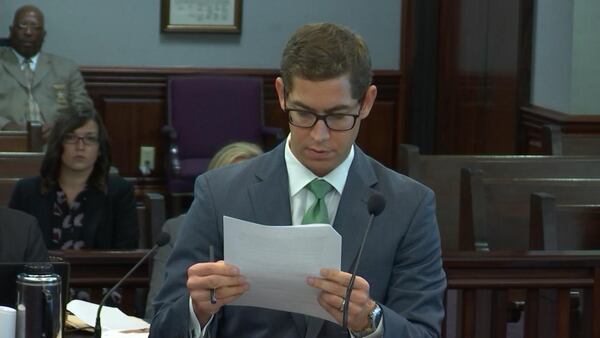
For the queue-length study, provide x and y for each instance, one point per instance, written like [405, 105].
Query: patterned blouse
[68, 221]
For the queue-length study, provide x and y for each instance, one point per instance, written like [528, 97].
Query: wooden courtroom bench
[557, 142]
[494, 213]
[151, 217]
[555, 226]
[29, 140]
[442, 174]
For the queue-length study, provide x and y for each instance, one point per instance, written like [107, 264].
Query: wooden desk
[103, 269]
[497, 273]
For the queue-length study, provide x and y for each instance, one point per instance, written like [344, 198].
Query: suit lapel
[12, 67]
[351, 218]
[270, 195]
[41, 69]
[352, 214]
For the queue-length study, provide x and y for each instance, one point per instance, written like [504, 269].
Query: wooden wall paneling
[484, 61]
[131, 124]
[419, 49]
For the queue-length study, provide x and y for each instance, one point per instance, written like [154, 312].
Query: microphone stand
[355, 263]
[163, 239]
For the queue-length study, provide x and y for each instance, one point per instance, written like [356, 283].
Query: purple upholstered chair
[206, 112]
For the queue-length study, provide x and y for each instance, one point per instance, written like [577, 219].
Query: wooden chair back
[557, 142]
[151, 216]
[29, 140]
[13, 167]
[495, 212]
[442, 174]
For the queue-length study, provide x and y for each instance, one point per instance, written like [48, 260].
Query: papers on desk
[114, 322]
[276, 260]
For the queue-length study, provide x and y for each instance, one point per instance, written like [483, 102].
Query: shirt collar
[20, 59]
[300, 176]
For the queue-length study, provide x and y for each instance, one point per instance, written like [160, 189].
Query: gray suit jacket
[20, 238]
[57, 85]
[402, 257]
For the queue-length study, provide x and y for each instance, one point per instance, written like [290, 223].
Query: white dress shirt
[21, 60]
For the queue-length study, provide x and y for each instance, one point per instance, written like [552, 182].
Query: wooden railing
[103, 269]
[504, 275]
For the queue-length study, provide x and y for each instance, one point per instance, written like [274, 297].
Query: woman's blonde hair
[233, 153]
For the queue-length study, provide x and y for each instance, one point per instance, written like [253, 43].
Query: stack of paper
[114, 322]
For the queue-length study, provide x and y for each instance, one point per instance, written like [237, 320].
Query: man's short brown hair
[324, 51]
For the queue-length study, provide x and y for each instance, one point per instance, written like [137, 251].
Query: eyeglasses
[32, 26]
[307, 119]
[88, 140]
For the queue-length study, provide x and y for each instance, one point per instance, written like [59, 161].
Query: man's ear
[279, 87]
[368, 101]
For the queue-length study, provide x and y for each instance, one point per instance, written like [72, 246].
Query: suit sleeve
[418, 281]
[125, 223]
[200, 227]
[77, 93]
[36, 248]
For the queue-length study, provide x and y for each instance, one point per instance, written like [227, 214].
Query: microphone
[163, 238]
[375, 206]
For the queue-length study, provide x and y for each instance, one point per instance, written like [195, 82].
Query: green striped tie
[317, 213]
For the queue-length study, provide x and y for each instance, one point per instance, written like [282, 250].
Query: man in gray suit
[317, 174]
[35, 85]
[20, 238]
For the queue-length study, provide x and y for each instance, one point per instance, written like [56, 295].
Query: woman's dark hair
[50, 170]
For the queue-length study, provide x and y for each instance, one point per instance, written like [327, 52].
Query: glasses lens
[90, 140]
[70, 138]
[302, 118]
[340, 121]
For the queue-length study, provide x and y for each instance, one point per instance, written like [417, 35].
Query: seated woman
[229, 154]
[77, 203]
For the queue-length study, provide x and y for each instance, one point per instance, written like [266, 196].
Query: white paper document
[276, 260]
[113, 320]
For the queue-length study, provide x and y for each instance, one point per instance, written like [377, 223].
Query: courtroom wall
[566, 70]
[127, 32]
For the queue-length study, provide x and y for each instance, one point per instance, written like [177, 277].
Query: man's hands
[224, 278]
[332, 284]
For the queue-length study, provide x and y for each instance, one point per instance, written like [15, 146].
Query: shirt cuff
[196, 330]
[378, 333]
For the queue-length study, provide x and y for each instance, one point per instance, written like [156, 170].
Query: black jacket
[111, 218]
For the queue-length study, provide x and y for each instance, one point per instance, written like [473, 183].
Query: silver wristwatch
[374, 320]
